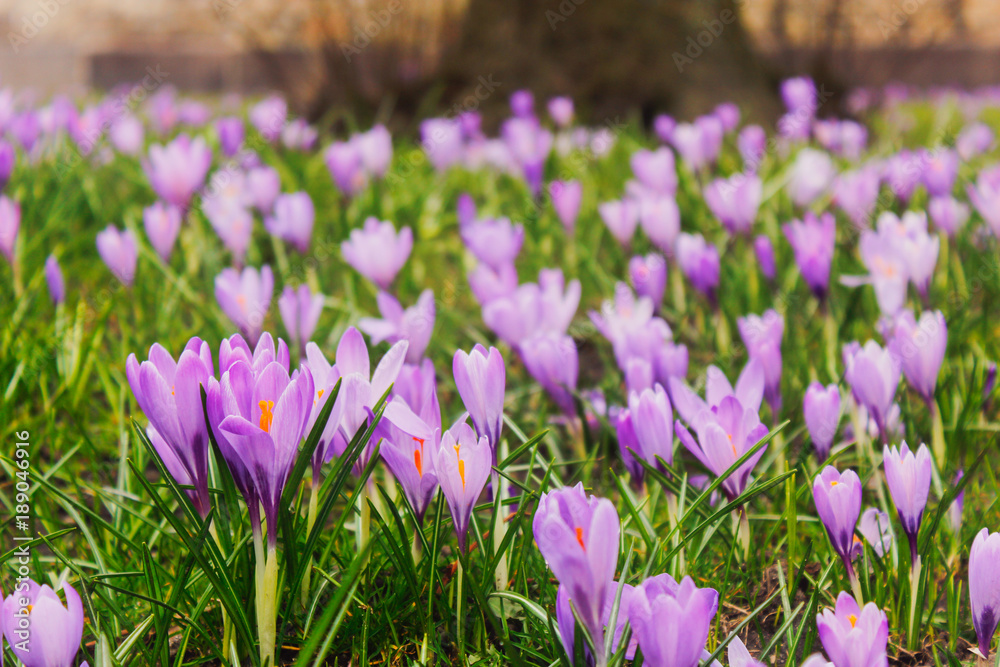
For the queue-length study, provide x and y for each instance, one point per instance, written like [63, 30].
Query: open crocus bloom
[854, 637]
[55, 630]
[672, 620]
[414, 324]
[462, 463]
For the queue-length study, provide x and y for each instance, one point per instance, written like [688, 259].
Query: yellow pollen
[266, 415]
[172, 389]
[579, 538]
[834, 483]
[320, 393]
[461, 466]
[853, 619]
[731, 445]
[30, 607]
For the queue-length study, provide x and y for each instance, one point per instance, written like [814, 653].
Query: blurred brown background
[412, 57]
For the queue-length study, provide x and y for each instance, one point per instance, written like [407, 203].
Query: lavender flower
[621, 218]
[921, 347]
[873, 374]
[245, 298]
[734, 201]
[838, 502]
[414, 324]
[852, 636]
[293, 219]
[54, 280]
[908, 476]
[699, 260]
[496, 242]
[649, 276]
[765, 256]
[672, 620]
[875, 528]
[566, 197]
[762, 336]
[812, 240]
[162, 223]
[984, 587]
[821, 408]
[10, 223]
[377, 251]
[300, 310]
[176, 171]
[120, 251]
[54, 630]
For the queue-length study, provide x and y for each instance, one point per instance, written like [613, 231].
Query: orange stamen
[834, 483]
[266, 415]
[418, 456]
[579, 538]
[461, 466]
[853, 619]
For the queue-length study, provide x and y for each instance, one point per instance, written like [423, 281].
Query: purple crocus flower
[522, 104]
[552, 360]
[578, 537]
[162, 223]
[231, 134]
[652, 419]
[410, 448]
[821, 408]
[663, 127]
[811, 175]
[377, 251]
[699, 260]
[735, 200]
[764, 251]
[985, 196]
[293, 219]
[7, 159]
[567, 623]
[975, 139]
[856, 193]
[876, 529]
[672, 620]
[940, 169]
[649, 276]
[902, 174]
[300, 310]
[739, 656]
[984, 587]
[529, 145]
[176, 171]
[232, 221]
[263, 185]
[799, 94]
[343, 160]
[948, 214]
[762, 336]
[752, 144]
[852, 636]
[442, 142]
[245, 298]
[955, 510]
[266, 414]
[908, 476]
[465, 209]
[463, 465]
[561, 111]
[655, 170]
[838, 502]
[488, 285]
[699, 142]
[566, 197]
[921, 347]
[873, 375]
[375, 150]
[481, 379]
[728, 114]
[660, 218]
[40, 630]
[621, 217]
[10, 223]
[414, 324]
[812, 240]
[628, 443]
[120, 252]
[494, 241]
[54, 280]
[299, 135]
[268, 116]
[169, 393]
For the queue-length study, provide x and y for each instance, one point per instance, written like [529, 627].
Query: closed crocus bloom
[672, 620]
[245, 298]
[10, 223]
[921, 347]
[120, 252]
[649, 276]
[852, 636]
[908, 476]
[873, 374]
[655, 170]
[299, 135]
[375, 150]
[7, 159]
[293, 219]
[344, 163]
[725, 434]
[812, 173]
[985, 196]
[660, 218]
[162, 223]
[752, 144]
[762, 336]
[481, 379]
[735, 200]
[169, 393]
[561, 111]
[496, 241]
[948, 214]
[652, 420]
[127, 135]
[54, 630]
[856, 193]
[812, 240]
[377, 251]
[488, 285]
[699, 260]
[463, 464]
[266, 418]
[176, 171]
[414, 324]
[821, 408]
[876, 529]
[739, 656]
[940, 168]
[799, 94]
[984, 587]
[231, 133]
[552, 360]
[621, 217]
[522, 103]
[974, 140]
[955, 510]
[663, 126]
[566, 197]
[442, 141]
[263, 185]
[764, 251]
[578, 536]
[268, 116]
[628, 444]
[728, 114]
[54, 280]
[838, 502]
[300, 310]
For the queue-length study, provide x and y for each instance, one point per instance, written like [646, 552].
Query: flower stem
[364, 521]
[500, 529]
[269, 603]
[911, 634]
[459, 574]
[743, 532]
[310, 523]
